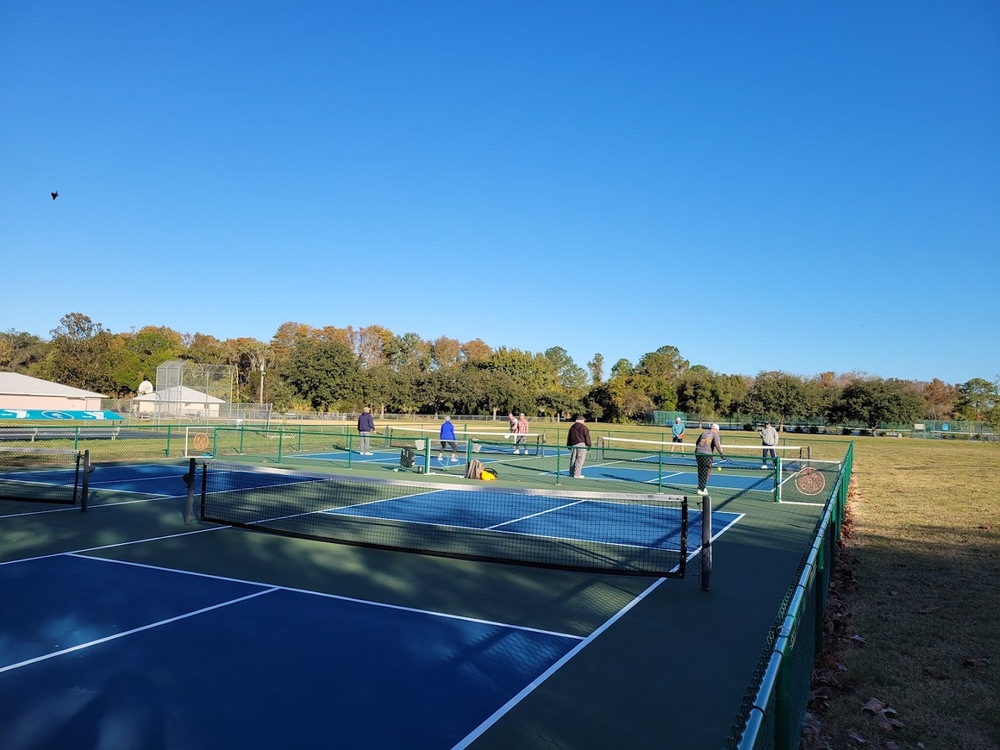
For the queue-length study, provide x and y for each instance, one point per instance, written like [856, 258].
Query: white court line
[133, 631]
[117, 544]
[530, 687]
[338, 597]
[533, 515]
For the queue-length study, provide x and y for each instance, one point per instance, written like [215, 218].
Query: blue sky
[766, 186]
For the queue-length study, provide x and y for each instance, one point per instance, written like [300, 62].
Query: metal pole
[706, 542]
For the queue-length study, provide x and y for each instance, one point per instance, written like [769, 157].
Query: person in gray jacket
[769, 439]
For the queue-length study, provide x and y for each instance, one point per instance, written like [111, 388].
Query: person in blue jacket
[448, 441]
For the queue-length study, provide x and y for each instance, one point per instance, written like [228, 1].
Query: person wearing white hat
[705, 446]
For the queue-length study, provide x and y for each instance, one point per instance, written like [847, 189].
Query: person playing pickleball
[707, 443]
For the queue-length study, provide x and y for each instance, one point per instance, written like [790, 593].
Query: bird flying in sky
[54, 195]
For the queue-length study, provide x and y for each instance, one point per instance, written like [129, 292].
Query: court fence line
[774, 707]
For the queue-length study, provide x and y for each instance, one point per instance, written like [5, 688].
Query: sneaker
[454, 460]
[702, 492]
[763, 466]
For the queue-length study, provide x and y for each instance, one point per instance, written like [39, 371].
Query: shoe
[763, 466]
[454, 460]
[702, 492]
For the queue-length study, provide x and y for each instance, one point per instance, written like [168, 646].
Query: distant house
[177, 401]
[24, 392]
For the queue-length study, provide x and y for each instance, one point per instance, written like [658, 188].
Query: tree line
[330, 369]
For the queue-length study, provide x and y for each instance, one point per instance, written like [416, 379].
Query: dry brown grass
[914, 613]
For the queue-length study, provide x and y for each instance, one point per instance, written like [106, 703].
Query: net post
[706, 542]
[85, 490]
[777, 479]
[204, 489]
[189, 502]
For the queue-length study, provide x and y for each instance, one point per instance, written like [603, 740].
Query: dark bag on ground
[407, 458]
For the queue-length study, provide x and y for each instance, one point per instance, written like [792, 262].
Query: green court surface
[645, 662]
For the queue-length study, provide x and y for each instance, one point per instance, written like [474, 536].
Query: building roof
[179, 394]
[15, 384]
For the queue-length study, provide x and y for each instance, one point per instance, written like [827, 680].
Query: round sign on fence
[200, 441]
[809, 481]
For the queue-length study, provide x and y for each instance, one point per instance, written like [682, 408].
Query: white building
[24, 392]
[177, 401]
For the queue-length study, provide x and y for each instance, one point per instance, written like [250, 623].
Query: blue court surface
[112, 654]
[760, 482]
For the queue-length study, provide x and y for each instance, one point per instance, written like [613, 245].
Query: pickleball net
[44, 475]
[682, 454]
[498, 443]
[630, 534]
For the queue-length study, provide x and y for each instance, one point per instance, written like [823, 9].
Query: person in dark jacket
[579, 440]
[366, 426]
[707, 443]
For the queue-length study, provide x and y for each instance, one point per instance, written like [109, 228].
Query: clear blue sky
[766, 186]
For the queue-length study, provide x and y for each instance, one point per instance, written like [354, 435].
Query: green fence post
[168, 441]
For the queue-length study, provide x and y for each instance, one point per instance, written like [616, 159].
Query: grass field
[914, 613]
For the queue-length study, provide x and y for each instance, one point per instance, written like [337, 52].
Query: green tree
[619, 400]
[596, 367]
[326, 375]
[409, 351]
[776, 396]
[568, 374]
[84, 355]
[993, 416]
[696, 393]
[621, 369]
[874, 402]
[978, 397]
[20, 352]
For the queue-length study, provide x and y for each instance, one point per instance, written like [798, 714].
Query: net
[682, 454]
[499, 443]
[631, 534]
[45, 475]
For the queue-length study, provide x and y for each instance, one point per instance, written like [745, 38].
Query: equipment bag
[407, 457]
[474, 470]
